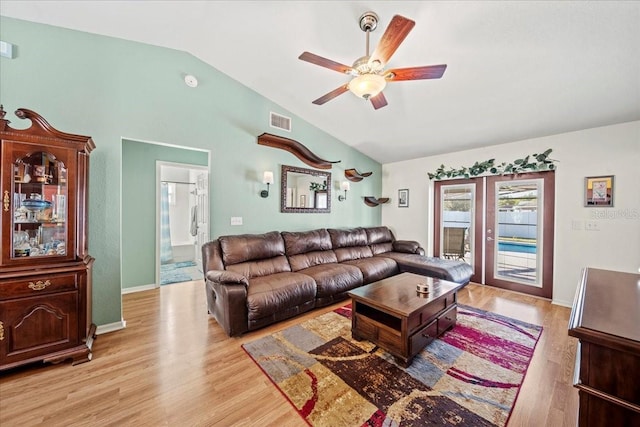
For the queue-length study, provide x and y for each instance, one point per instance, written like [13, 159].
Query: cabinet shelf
[56, 222]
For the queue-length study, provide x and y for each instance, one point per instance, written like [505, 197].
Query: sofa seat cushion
[374, 268]
[334, 278]
[453, 271]
[267, 295]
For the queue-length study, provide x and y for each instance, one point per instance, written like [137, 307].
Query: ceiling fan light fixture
[367, 85]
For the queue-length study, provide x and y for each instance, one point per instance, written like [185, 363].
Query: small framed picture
[598, 191]
[321, 200]
[403, 198]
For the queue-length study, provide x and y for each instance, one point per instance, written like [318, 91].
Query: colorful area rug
[177, 272]
[471, 376]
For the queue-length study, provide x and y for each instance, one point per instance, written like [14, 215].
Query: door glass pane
[40, 201]
[456, 241]
[518, 238]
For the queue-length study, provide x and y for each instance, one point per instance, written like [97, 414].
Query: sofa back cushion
[380, 239]
[349, 244]
[379, 235]
[254, 255]
[308, 248]
[306, 241]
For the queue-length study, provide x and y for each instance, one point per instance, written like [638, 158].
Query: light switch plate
[6, 50]
[236, 220]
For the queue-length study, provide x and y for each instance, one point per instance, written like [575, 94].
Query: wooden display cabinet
[45, 268]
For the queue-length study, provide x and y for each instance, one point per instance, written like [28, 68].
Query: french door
[458, 222]
[508, 223]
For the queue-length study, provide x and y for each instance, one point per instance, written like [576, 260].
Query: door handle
[490, 239]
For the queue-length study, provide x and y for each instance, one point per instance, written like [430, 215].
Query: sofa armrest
[227, 300]
[408, 246]
[223, 276]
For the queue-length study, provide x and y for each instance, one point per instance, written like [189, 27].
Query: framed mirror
[305, 190]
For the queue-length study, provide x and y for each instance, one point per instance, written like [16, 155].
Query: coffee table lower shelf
[403, 337]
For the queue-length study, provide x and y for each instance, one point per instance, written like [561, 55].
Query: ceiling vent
[280, 122]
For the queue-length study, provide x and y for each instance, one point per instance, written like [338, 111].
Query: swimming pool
[526, 248]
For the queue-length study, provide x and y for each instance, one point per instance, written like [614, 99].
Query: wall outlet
[576, 225]
[236, 220]
[591, 226]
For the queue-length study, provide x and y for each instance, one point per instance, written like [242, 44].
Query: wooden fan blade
[331, 95]
[415, 73]
[324, 62]
[378, 101]
[395, 33]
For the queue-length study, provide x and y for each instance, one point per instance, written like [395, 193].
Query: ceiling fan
[369, 76]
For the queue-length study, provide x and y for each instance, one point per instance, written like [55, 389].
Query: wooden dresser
[606, 319]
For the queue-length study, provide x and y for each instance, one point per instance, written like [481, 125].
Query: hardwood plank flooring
[174, 366]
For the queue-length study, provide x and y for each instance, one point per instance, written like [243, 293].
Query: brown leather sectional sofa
[253, 280]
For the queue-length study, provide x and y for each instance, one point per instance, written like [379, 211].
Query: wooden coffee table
[393, 315]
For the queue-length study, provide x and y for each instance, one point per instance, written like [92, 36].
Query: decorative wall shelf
[355, 176]
[373, 202]
[295, 148]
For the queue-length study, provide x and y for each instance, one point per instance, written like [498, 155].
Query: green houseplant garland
[531, 163]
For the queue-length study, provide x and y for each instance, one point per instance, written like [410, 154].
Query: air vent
[280, 122]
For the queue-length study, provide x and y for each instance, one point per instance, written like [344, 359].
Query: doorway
[502, 226]
[182, 221]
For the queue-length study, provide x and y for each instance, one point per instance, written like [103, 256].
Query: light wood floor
[174, 366]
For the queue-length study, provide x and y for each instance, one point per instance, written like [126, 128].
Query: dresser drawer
[38, 285]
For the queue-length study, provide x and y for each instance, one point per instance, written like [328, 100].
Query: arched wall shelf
[355, 176]
[373, 201]
[295, 148]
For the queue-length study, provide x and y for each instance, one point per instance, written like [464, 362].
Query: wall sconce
[267, 178]
[344, 187]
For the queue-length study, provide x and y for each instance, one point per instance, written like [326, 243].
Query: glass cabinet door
[40, 212]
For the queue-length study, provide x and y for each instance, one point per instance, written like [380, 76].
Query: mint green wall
[112, 89]
[139, 205]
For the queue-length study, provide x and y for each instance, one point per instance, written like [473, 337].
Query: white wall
[608, 150]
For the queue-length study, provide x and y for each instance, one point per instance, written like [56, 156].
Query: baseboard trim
[111, 327]
[562, 303]
[138, 289]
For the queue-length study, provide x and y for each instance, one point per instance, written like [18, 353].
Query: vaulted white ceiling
[516, 70]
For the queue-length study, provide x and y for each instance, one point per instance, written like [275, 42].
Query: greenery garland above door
[531, 163]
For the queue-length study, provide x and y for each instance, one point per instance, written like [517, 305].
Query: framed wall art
[598, 191]
[403, 198]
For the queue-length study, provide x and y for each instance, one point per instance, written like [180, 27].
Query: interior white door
[202, 214]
